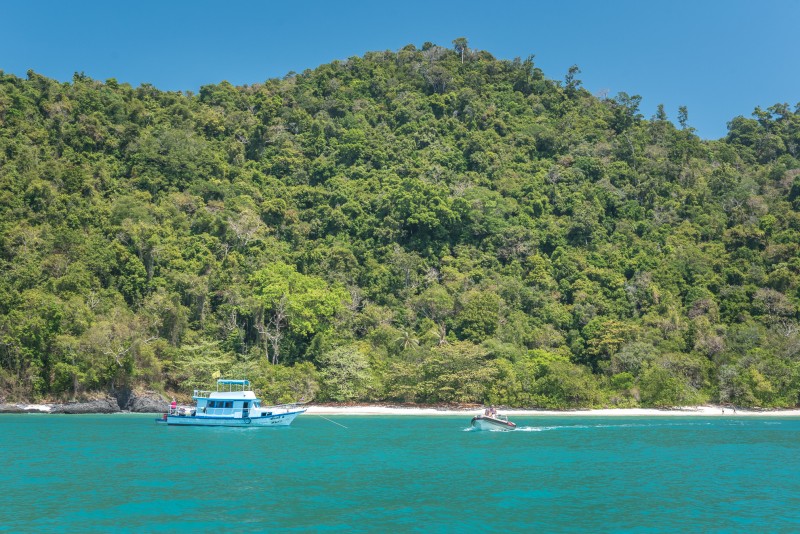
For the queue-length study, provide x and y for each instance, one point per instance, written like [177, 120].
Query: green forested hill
[431, 225]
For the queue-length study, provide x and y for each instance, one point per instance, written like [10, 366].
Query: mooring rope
[334, 422]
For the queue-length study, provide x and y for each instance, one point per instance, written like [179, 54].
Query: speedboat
[233, 404]
[492, 422]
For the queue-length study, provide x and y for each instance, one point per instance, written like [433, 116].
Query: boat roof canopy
[236, 382]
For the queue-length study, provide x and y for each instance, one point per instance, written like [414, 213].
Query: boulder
[127, 400]
[146, 402]
[103, 405]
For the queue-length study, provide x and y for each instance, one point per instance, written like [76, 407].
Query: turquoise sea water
[124, 473]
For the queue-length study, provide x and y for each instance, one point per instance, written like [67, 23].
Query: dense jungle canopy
[432, 225]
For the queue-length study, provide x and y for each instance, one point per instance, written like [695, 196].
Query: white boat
[231, 405]
[492, 422]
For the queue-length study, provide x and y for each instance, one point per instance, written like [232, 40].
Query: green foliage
[563, 385]
[456, 373]
[430, 225]
[346, 374]
[661, 387]
[310, 302]
[284, 383]
[479, 315]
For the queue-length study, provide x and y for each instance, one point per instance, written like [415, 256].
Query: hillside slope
[415, 226]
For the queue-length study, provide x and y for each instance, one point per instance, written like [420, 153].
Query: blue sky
[719, 58]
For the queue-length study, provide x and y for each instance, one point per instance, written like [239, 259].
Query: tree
[456, 372]
[460, 46]
[302, 303]
[661, 388]
[273, 329]
[661, 115]
[281, 383]
[625, 110]
[478, 316]
[570, 81]
[346, 374]
[683, 116]
[436, 304]
[562, 385]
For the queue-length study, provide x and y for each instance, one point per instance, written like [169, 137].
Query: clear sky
[720, 58]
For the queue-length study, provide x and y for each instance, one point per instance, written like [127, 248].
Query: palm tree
[406, 340]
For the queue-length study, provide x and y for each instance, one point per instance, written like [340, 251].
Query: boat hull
[280, 419]
[482, 422]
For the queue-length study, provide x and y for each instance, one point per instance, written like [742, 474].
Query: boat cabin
[230, 400]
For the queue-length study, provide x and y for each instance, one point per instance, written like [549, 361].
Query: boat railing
[202, 393]
[181, 410]
[287, 406]
[185, 411]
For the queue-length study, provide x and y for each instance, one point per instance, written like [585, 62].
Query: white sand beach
[699, 411]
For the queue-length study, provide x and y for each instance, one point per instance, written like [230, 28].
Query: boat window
[212, 404]
[229, 404]
[246, 404]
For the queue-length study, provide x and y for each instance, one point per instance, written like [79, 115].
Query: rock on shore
[103, 405]
[145, 402]
[133, 401]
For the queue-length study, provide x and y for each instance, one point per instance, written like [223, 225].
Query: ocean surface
[124, 473]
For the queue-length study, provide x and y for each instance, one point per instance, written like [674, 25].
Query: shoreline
[699, 411]
[428, 411]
